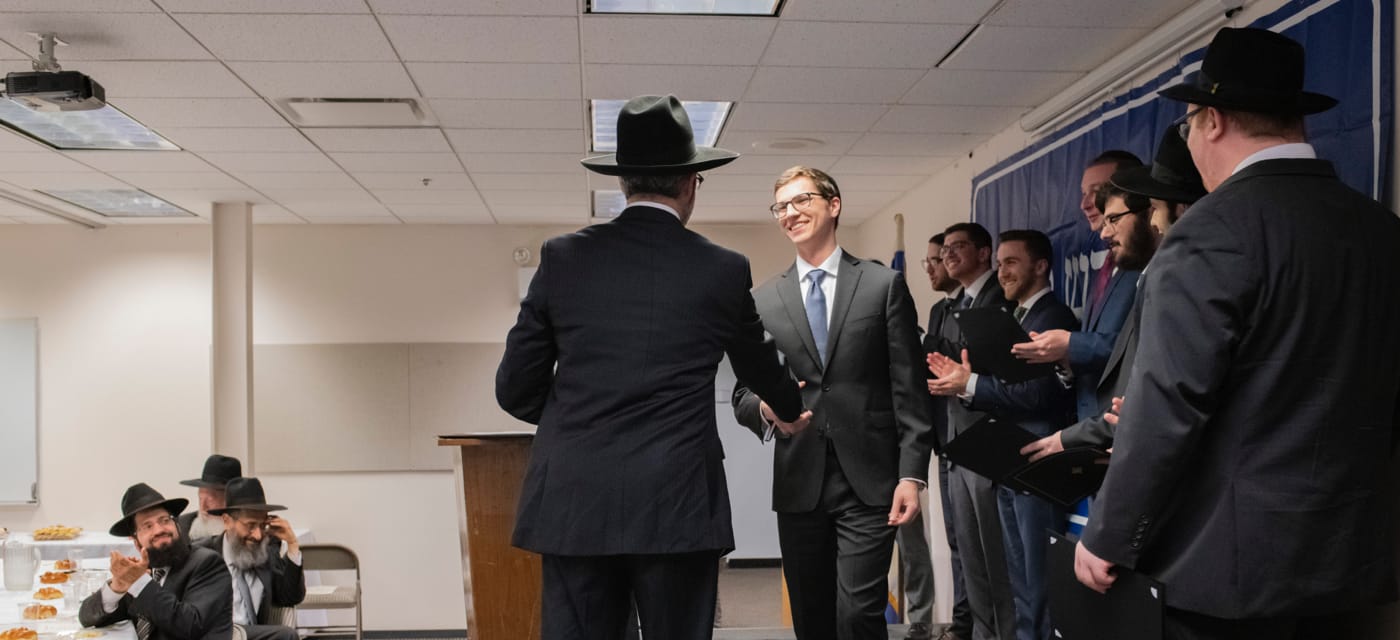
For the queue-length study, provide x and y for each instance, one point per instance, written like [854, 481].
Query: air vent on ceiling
[355, 112]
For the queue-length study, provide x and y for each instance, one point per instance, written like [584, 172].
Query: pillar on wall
[232, 357]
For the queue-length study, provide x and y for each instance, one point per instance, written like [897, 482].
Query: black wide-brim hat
[654, 138]
[140, 497]
[1253, 70]
[1172, 177]
[218, 470]
[247, 494]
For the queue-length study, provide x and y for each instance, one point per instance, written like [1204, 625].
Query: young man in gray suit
[841, 487]
[1252, 453]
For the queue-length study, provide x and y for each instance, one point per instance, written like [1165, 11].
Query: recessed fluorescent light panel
[706, 119]
[105, 128]
[120, 203]
[608, 204]
[706, 7]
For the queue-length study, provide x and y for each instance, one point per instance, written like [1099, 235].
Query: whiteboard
[19, 411]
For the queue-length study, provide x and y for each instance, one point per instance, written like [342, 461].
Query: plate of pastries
[40, 612]
[19, 633]
[53, 577]
[65, 565]
[48, 593]
[57, 532]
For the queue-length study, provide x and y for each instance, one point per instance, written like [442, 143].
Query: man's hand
[906, 503]
[1111, 416]
[952, 375]
[1048, 346]
[126, 570]
[1091, 570]
[282, 530]
[788, 429]
[1048, 445]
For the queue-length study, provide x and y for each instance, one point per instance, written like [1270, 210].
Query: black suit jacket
[951, 344]
[1250, 464]
[869, 399]
[933, 343]
[1041, 405]
[1094, 431]
[195, 603]
[614, 356]
[284, 581]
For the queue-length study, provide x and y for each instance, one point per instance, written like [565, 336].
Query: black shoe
[919, 631]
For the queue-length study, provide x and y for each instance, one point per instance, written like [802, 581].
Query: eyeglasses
[1183, 124]
[930, 262]
[151, 525]
[254, 524]
[1113, 218]
[800, 201]
[699, 180]
[954, 247]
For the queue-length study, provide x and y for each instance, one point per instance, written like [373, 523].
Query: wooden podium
[501, 583]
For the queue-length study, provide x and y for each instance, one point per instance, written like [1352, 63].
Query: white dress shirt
[830, 266]
[655, 205]
[1286, 151]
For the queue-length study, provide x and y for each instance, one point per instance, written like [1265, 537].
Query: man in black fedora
[1252, 452]
[265, 576]
[218, 470]
[614, 355]
[172, 591]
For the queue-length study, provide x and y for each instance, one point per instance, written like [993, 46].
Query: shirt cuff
[1066, 376]
[922, 484]
[970, 389]
[295, 557]
[110, 599]
[139, 585]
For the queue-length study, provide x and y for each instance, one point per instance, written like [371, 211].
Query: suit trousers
[918, 569]
[962, 614]
[1025, 525]
[590, 597]
[836, 560]
[269, 632]
[977, 517]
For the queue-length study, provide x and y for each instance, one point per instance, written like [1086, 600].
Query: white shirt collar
[1289, 150]
[1029, 304]
[830, 265]
[655, 205]
[975, 289]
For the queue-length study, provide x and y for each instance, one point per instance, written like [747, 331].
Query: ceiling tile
[239, 162]
[540, 214]
[265, 6]
[15, 141]
[166, 79]
[860, 44]
[269, 139]
[38, 162]
[298, 180]
[201, 201]
[802, 116]
[104, 36]
[338, 209]
[667, 40]
[352, 220]
[66, 180]
[1087, 13]
[398, 162]
[496, 80]
[303, 38]
[768, 165]
[617, 81]
[992, 88]
[558, 198]
[915, 144]
[929, 11]
[84, 6]
[493, 39]
[939, 119]
[509, 114]
[889, 165]
[411, 212]
[393, 197]
[296, 199]
[157, 113]
[575, 181]
[864, 183]
[759, 142]
[477, 7]
[375, 180]
[827, 85]
[1041, 49]
[380, 140]
[141, 161]
[509, 140]
[327, 79]
[180, 180]
[274, 214]
[523, 162]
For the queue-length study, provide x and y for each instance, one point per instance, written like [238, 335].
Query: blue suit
[1090, 347]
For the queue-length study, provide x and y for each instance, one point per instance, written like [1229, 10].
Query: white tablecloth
[93, 545]
[67, 621]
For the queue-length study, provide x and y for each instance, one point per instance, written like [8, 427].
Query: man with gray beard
[263, 576]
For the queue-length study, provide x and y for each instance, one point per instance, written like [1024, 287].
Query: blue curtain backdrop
[1349, 45]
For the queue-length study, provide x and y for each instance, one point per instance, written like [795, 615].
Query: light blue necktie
[816, 311]
[244, 578]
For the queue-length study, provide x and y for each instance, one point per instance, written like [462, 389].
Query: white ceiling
[508, 81]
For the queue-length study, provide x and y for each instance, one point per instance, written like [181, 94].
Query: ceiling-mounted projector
[54, 91]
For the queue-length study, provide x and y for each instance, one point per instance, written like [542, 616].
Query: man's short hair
[669, 186]
[937, 239]
[978, 234]
[1037, 243]
[1268, 125]
[1134, 201]
[1119, 158]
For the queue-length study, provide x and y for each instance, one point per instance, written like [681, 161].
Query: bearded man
[263, 576]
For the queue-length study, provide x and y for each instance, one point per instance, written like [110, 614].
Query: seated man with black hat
[172, 590]
[218, 470]
[263, 577]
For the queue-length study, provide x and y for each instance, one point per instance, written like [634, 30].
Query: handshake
[788, 429]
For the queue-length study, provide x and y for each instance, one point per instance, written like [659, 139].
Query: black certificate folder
[991, 448]
[989, 333]
[1066, 477]
[1131, 610]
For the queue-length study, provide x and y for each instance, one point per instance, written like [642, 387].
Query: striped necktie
[143, 624]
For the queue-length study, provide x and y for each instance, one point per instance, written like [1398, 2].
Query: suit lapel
[791, 294]
[1120, 344]
[1097, 308]
[846, 280]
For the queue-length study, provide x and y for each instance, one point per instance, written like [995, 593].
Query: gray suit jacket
[869, 399]
[1250, 465]
[195, 603]
[1094, 431]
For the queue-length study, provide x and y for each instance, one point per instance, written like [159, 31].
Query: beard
[248, 557]
[1139, 248]
[172, 555]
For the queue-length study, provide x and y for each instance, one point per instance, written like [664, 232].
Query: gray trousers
[918, 569]
[985, 574]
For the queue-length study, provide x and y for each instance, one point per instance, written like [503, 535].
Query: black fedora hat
[654, 139]
[246, 493]
[218, 470]
[140, 497]
[1253, 70]
[1172, 176]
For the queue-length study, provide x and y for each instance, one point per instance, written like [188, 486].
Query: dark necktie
[143, 624]
[816, 311]
[1019, 313]
[1101, 279]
